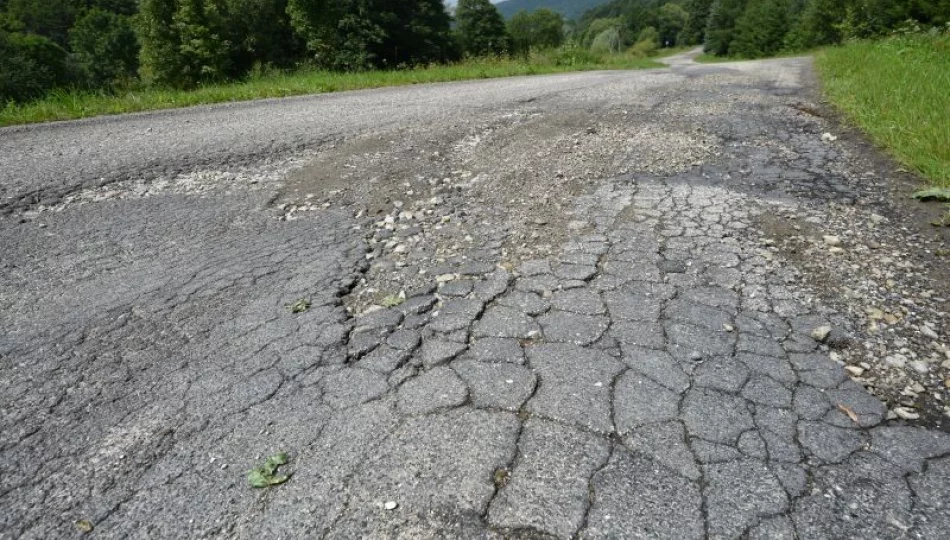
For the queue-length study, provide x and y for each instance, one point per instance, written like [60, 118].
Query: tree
[48, 18]
[761, 29]
[105, 47]
[260, 34]
[480, 28]
[694, 31]
[818, 24]
[417, 32]
[540, 29]
[182, 42]
[721, 25]
[671, 18]
[339, 34]
[317, 22]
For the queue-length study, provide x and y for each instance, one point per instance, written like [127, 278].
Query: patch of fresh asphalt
[593, 336]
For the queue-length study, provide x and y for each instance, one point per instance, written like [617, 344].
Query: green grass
[68, 105]
[898, 91]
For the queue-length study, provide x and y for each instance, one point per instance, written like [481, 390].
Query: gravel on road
[678, 303]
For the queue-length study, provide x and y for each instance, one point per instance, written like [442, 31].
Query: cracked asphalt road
[593, 338]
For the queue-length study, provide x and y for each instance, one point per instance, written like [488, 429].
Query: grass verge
[898, 91]
[68, 105]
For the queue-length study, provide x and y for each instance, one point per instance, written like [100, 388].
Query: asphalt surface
[538, 308]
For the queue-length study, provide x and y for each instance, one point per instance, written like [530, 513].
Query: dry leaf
[851, 414]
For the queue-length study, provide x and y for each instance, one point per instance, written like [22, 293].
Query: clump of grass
[898, 91]
[67, 105]
[299, 306]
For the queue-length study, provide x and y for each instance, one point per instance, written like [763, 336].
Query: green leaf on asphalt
[300, 306]
[933, 194]
[266, 475]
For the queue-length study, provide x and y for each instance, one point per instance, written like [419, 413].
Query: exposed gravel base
[627, 305]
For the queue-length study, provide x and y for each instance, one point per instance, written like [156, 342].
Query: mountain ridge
[571, 9]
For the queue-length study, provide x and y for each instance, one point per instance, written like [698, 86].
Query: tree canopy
[541, 29]
[481, 28]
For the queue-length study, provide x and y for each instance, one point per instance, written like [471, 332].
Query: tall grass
[898, 91]
[67, 105]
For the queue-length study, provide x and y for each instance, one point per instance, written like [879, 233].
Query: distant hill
[571, 9]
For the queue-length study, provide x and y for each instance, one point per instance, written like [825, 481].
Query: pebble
[896, 360]
[928, 332]
[855, 370]
[821, 333]
[832, 240]
[906, 413]
[920, 366]
[391, 505]
[696, 356]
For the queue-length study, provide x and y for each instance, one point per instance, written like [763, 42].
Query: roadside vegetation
[64, 59]
[72, 104]
[741, 29]
[898, 91]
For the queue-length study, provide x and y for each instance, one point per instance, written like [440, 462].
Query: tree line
[116, 44]
[751, 28]
[112, 44]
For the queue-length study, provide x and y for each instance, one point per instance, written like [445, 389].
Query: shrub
[30, 66]
[607, 41]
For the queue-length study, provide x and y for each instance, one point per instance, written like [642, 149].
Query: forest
[110, 45]
[754, 28]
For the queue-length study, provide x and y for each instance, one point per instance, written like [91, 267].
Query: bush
[607, 41]
[644, 49]
[30, 66]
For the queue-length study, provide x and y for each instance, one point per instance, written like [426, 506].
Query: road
[564, 306]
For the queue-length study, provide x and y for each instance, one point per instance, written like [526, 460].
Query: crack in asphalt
[587, 304]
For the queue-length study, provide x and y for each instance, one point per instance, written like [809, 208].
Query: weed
[300, 306]
[500, 477]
